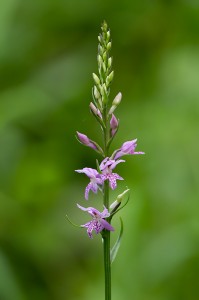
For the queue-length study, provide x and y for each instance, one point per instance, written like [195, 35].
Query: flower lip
[91, 173]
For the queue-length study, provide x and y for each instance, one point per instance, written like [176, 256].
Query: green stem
[107, 265]
[106, 235]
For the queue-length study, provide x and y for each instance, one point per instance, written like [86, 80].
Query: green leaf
[116, 247]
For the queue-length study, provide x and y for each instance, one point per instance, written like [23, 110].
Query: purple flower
[127, 148]
[95, 180]
[85, 140]
[97, 223]
[106, 166]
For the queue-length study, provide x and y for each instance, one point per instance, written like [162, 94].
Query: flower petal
[91, 173]
[87, 190]
[105, 213]
[106, 225]
[115, 163]
[91, 210]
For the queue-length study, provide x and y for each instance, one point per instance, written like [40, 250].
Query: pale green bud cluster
[105, 75]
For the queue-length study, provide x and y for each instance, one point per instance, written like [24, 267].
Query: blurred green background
[47, 54]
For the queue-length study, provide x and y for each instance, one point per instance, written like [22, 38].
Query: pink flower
[106, 166]
[127, 148]
[97, 223]
[95, 180]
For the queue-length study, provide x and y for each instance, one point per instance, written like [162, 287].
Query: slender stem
[107, 266]
[106, 236]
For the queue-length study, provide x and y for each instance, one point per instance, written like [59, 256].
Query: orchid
[127, 148]
[106, 166]
[98, 222]
[103, 178]
[95, 180]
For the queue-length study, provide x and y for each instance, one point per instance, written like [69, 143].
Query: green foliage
[117, 244]
[47, 57]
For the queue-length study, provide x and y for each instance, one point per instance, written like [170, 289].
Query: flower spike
[103, 177]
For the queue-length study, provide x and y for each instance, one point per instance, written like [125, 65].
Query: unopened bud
[103, 91]
[100, 50]
[104, 26]
[95, 110]
[114, 206]
[96, 92]
[115, 103]
[83, 139]
[117, 99]
[109, 78]
[104, 67]
[113, 125]
[121, 196]
[96, 79]
[99, 59]
[100, 38]
[108, 35]
[109, 46]
[109, 62]
[104, 56]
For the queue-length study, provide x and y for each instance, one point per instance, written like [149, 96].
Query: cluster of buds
[103, 80]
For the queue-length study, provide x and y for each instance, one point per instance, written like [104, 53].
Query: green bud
[115, 103]
[104, 67]
[105, 56]
[109, 78]
[100, 50]
[109, 62]
[96, 92]
[100, 38]
[108, 46]
[104, 87]
[99, 59]
[108, 34]
[117, 99]
[121, 196]
[103, 91]
[114, 206]
[104, 26]
[100, 102]
[96, 79]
